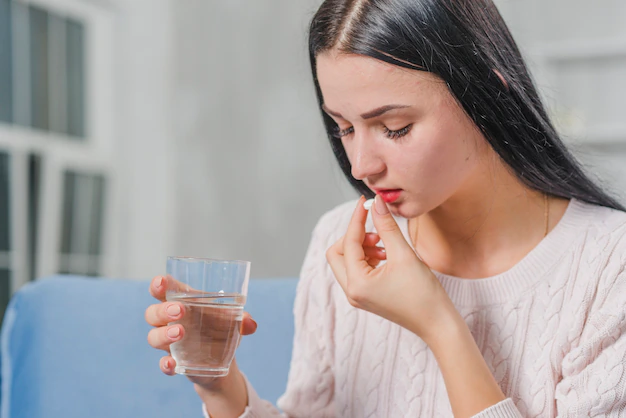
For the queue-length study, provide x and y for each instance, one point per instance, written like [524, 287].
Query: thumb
[387, 228]
[248, 325]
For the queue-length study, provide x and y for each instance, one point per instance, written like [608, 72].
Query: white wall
[145, 163]
[253, 167]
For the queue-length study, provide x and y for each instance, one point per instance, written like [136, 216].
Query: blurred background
[131, 130]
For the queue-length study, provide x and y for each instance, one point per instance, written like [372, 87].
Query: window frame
[93, 154]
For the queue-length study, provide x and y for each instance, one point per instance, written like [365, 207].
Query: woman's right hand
[160, 337]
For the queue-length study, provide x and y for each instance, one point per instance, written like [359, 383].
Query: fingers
[161, 338]
[335, 258]
[373, 262]
[388, 229]
[354, 259]
[248, 325]
[167, 365]
[160, 285]
[353, 240]
[161, 314]
[375, 253]
[365, 247]
[371, 239]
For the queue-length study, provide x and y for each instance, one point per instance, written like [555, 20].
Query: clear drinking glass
[213, 294]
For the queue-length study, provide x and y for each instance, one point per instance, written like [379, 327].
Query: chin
[406, 210]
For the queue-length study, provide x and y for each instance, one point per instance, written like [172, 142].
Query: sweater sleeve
[256, 408]
[310, 386]
[594, 371]
[504, 409]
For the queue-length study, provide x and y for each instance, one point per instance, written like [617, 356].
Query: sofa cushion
[76, 347]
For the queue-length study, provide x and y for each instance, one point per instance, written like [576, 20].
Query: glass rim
[205, 259]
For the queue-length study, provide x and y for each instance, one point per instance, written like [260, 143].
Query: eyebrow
[371, 114]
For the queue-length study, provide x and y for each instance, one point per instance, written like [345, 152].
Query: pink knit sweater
[552, 329]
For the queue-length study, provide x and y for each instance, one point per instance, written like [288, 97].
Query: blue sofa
[75, 347]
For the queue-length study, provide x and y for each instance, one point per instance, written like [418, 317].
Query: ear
[501, 77]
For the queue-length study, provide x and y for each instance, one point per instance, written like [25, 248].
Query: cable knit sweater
[552, 330]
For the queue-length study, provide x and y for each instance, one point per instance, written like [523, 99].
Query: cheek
[441, 157]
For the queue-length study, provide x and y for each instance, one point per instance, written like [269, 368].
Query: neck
[486, 230]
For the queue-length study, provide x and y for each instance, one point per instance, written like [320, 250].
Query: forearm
[229, 398]
[470, 385]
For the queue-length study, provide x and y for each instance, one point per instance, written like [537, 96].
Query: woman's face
[405, 136]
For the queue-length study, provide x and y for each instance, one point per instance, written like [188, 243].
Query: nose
[364, 157]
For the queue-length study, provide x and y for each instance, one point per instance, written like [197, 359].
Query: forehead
[349, 78]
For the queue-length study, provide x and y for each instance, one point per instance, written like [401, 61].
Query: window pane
[95, 244]
[21, 64]
[68, 212]
[57, 66]
[75, 35]
[5, 291]
[6, 63]
[5, 274]
[34, 182]
[82, 223]
[39, 68]
[4, 202]
[96, 216]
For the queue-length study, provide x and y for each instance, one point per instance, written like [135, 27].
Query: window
[75, 75]
[43, 53]
[5, 248]
[34, 192]
[82, 223]
[56, 149]
[6, 94]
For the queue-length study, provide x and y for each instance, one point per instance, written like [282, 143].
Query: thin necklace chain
[546, 205]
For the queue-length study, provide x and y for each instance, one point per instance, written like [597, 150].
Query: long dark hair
[464, 42]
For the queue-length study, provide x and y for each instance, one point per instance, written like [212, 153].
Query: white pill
[368, 204]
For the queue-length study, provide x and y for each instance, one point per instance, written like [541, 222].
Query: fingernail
[167, 365]
[381, 207]
[173, 310]
[159, 282]
[173, 332]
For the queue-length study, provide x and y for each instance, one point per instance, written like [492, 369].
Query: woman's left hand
[403, 290]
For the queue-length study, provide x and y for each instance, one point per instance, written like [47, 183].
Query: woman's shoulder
[602, 251]
[598, 234]
[603, 224]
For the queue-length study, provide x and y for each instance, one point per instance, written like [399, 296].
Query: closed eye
[340, 133]
[399, 133]
[390, 133]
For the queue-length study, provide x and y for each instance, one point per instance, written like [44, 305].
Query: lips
[389, 195]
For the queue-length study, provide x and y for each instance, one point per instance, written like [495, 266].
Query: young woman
[501, 288]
